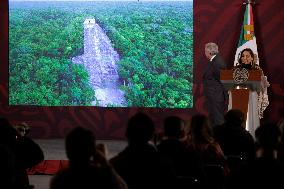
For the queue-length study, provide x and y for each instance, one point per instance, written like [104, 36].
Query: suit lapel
[208, 68]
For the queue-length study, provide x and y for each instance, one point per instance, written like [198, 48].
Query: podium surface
[252, 83]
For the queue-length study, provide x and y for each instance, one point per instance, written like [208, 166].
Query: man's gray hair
[212, 48]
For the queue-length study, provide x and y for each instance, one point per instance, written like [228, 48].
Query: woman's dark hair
[200, 129]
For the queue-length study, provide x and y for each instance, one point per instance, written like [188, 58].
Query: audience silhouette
[173, 152]
[233, 138]
[19, 153]
[88, 168]
[138, 163]
[266, 171]
[226, 157]
[202, 142]
[280, 153]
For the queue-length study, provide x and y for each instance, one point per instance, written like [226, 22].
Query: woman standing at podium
[258, 101]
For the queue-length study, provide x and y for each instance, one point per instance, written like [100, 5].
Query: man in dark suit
[214, 91]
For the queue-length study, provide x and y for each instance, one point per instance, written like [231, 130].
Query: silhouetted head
[140, 128]
[8, 133]
[268, 135]
[173, 127]
[80, 144]
[200, 129]
[234, 117]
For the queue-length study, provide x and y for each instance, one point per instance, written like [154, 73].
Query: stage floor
[54, 149]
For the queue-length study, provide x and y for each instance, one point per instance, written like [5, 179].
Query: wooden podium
[240, 90]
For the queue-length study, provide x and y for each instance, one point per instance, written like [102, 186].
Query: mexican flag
[247, 37]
